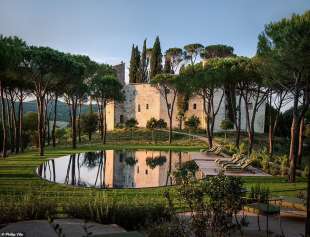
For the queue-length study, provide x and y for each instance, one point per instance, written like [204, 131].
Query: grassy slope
[17, 176]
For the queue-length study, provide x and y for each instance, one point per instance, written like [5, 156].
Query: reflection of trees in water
[46, 171]
[71, 167]
[153, 162]
[130, 158]
[91, 159]
[123, 172]
[101, 169]
[169, 177]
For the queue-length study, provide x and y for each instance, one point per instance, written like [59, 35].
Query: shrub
[275, 169]
[243, 148]
[259, 193]
[105, 210]
[226, 124]
[192, 123]
[25, 208]
[211, 202]
[283, 164]
[161, 123]
[60, 133]
[305, 172]
[131, 123]
[151, 123]
[89, 123]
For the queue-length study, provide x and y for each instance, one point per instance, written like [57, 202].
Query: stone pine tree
[134, 65]
[285, 45]
[156, 59]
[223, 51]
[143, 64]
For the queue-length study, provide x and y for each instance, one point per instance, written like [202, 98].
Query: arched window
[139, 108]
[194, 106]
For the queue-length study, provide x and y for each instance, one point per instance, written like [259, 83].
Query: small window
[121, 156]
[194, 106]
[138, 170]
[146, 171]
[139, 108]
[147, 106]
[121, 118]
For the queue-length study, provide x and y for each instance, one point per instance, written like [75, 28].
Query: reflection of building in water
[114, 169]
[119, 173]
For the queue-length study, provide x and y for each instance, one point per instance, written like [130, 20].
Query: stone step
[70, 227]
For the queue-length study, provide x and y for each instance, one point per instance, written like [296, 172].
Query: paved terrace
[206, 163]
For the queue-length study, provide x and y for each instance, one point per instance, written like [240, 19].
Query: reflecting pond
[115, 168]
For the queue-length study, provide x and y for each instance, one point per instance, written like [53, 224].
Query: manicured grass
[18, 176]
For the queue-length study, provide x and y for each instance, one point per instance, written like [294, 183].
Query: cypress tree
[137, 65]
[156, 59]
[132, 67]
[143, 64]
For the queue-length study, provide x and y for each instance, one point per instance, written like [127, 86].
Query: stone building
[144, 101]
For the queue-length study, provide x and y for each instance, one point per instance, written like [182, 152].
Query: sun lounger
[234, 158]
[238, 167]
[239, 162]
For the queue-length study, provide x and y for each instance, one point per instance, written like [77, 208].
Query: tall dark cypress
[132, 66]
[156, 59]
[137, 65]
[143, 64]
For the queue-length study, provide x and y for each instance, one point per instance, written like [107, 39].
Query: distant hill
[62, 109]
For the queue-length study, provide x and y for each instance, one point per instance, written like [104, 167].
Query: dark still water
[114, 168]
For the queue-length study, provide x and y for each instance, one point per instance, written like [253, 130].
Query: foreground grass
[18, 177]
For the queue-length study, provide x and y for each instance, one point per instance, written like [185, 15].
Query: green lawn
[17, 176]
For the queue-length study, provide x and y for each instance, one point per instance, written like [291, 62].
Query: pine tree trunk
[17, 136]
[73, 122]
[105, 124]
[270, 140]
[48, 132]
[54, 121]
[294, 141]
[41, 123]
[79, 121]
[307, 234]
[102, 121]
[301, 140]
[21, 121]
[11, 124]
[238, 122]
[210, 139]
[170, 129]
[4, 125]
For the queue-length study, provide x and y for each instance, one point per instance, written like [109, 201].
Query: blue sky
[105, 30]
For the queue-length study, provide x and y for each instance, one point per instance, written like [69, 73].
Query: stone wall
[143, 101]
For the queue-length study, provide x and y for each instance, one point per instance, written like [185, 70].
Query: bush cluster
[27, 207]
[105, 210]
